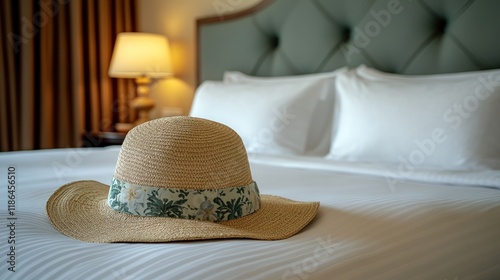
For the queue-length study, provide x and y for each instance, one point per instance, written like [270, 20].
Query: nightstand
[102, 139]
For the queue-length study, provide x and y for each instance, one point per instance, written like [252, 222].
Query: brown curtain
[53, 77]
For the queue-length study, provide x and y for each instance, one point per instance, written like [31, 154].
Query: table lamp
[142, 56]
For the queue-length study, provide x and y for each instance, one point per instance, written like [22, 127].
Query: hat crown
[183, 152]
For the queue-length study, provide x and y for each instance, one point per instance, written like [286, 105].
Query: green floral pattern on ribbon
[207, 205]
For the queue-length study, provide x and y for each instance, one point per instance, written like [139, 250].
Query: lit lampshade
[141, 56]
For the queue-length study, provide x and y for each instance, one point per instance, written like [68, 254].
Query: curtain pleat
[8, 112]
[46, 93]
[29, 135]
[65, 101]
[54, 64]
[105, 42]
[91, 79]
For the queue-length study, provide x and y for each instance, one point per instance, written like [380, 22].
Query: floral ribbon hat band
[177, 179]
[206, 205]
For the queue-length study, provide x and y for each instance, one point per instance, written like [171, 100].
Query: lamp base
[142, 103]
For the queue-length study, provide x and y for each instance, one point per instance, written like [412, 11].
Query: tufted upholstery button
[346, 34]
[440, 25]
[274, 41]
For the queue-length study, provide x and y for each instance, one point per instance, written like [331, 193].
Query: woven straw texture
[183, 152]
[179, 152]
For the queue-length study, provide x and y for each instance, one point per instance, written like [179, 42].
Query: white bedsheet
[366, 228]
[394, 174]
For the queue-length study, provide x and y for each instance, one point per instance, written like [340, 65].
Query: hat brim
[79, 210]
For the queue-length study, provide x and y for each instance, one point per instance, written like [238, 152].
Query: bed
[386, 112]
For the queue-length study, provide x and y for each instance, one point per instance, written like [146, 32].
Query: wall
[176, 19]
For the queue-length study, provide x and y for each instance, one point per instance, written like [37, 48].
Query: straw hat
[178, 178]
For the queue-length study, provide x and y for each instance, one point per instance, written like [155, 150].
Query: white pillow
[270, 118]
[445, 122]
[319, 133]
[239, 77]
[375, 74]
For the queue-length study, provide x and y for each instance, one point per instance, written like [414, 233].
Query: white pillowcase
[319, 132]
[239, 77]
[446, 121]
[375, 74]
[270, 118]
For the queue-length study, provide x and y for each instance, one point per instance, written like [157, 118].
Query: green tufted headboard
[291, 37]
